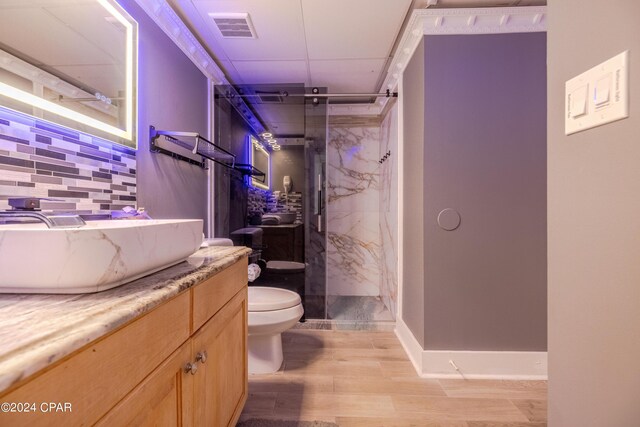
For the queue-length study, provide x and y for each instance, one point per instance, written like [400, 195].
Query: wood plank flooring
[364, 379]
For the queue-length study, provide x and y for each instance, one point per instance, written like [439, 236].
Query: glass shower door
[315, 210]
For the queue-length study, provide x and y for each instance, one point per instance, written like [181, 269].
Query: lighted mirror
[73, 63]
[260, 159]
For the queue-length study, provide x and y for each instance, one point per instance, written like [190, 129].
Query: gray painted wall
[485, 156]
[413, 105]
[594, 227]
[475, 141]
[172, 95]
[288, 161]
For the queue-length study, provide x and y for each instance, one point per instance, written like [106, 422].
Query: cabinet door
[220, 385]
[164, 398]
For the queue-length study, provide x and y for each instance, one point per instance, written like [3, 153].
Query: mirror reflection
[80, 73]
[261, 160]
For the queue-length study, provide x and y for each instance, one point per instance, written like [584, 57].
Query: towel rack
[250, 170]
[197, 152]
[194, 153]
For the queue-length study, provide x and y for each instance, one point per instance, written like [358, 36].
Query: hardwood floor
[364, 379]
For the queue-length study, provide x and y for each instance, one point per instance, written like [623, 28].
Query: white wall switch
[578, 102]
[598, 96]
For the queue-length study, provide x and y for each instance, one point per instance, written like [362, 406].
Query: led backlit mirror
[73, 63]
[260, 159]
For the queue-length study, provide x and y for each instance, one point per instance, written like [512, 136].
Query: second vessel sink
[96, 257]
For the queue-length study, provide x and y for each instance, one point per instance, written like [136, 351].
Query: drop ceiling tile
[337, 29]
[347, 75]
[278, 25]
[258, 72]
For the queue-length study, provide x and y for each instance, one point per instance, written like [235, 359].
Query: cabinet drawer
[211, 295]
[95, 378]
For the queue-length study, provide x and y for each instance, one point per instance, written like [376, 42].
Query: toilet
[271, 312]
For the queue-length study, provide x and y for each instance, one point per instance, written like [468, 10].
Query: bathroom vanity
[167, 349]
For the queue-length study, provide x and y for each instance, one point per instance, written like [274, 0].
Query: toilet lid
[267, 299]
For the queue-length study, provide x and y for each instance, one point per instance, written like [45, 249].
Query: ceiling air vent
[234, 25]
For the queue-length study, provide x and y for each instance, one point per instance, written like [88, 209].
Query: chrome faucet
[27, 208]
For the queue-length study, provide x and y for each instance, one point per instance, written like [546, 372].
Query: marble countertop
[37, 330]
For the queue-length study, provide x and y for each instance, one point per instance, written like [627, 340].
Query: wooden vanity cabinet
[204, 383]
[184, 363]
[220, 385]
[164, 398]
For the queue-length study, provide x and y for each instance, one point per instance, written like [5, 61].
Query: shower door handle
[319, 203]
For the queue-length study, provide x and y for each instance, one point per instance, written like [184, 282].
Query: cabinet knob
[190, 368]
[201, 357]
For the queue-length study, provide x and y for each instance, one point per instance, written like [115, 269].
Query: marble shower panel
[353, 253]
[354, 173]
[389, 211]
[362, 219]
[353, 247]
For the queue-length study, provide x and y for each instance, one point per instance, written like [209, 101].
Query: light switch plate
[607, 95]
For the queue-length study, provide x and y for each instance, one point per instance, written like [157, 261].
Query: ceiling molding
[491, 20]
[494, 20]
[166, 18]
[163, 15]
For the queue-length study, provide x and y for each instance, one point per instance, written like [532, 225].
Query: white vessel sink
[98, 256]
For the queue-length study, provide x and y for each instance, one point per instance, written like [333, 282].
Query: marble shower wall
[362, 217]
[353, 194]
[389, 211]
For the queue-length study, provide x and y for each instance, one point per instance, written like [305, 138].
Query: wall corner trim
[496, 365]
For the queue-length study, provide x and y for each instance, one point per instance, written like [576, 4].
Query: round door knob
[201, 357]
[449, 219]
[191, 368]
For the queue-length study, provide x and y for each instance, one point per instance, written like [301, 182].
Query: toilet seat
[270, 299]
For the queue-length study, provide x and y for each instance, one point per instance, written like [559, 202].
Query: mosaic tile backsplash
[76, 171]
[265, 201]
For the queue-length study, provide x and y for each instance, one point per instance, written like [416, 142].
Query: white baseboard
[411, 346]
[505, 365]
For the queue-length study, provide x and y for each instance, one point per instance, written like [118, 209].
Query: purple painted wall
[172, 95]
[483, 154]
